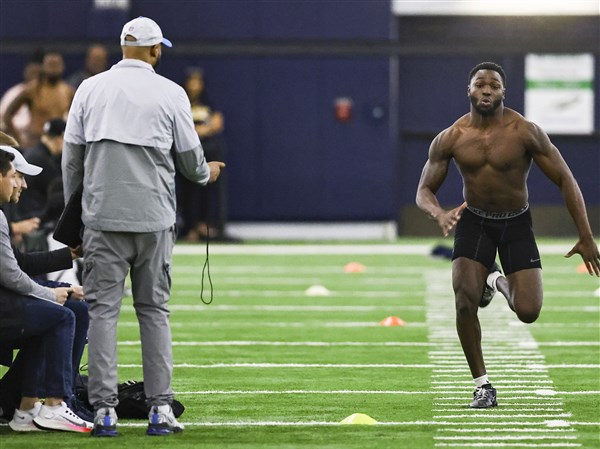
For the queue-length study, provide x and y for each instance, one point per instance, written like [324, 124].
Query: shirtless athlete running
[493, 148]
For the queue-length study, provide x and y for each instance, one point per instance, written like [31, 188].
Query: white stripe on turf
[410, 293]
[355, 365]
[284, 343]
[354, 249]
[498, 416]
[540, 425]
[290, 365]
[565, 272]
[435, 354]
[507, 430]
[547, 400]
[301, 392]
[510, 437]
[486, 445]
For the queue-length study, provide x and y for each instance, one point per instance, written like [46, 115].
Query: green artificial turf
[227, 355]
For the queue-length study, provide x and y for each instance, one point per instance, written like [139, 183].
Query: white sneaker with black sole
[61, 417]
[23, 419]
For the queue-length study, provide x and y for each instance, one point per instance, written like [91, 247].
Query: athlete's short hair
[488, 66]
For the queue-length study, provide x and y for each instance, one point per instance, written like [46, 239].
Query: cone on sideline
[358, 418]
[354, 267]
[581, 268]
[392, 321]
[317, 290]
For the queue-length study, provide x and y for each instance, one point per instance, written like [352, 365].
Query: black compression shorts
[478, 237]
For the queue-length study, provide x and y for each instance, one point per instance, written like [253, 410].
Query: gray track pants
[109, 256]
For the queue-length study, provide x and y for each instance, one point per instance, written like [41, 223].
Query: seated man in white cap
[33, 317]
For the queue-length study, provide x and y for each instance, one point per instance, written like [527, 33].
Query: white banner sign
[559, 92]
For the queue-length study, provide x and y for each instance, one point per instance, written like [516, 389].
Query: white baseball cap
[145, 31]
[21, 165]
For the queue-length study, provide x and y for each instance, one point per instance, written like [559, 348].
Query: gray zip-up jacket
[125, 130]
[11, 276]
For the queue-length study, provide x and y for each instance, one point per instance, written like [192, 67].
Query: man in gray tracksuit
[125, 130]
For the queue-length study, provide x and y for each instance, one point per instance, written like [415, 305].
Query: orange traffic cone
[392, 321]
[581, 268]
[354, 267]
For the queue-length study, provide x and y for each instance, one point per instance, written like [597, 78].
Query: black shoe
[80, 409]
[489, 292]
[484, 397]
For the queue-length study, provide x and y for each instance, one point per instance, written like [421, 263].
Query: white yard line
[285, 343]
[301, 392]
[352, 365]
[510, 437]
[486, 445]
[329, 308]
[291, 365]
[350, 343]
[269, 293]
[328, 249]
[546, 400]
[255, 323]
[507, 430]
[476, 424]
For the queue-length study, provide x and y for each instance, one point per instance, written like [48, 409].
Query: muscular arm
[433, 175]
[550, 161]
[552, 164]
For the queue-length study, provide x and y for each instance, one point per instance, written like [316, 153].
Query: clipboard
[69, 227]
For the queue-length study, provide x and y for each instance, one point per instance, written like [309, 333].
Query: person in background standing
[96, 61]
[47, 97]
[22, 118]
[204, 208]
[46, 154]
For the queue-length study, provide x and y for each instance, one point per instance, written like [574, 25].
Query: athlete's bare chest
[499, 148]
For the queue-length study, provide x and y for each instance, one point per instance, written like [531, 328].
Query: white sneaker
[105, 423]
[161, 421]
[60, 417]
[23, 420]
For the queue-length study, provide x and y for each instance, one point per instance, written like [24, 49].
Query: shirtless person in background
[47, 97]
[493, 148]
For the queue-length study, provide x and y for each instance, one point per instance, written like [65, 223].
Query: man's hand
[77, 292]
[76, 252]
[588, 250]
[61, 294]
[448, 219]
[215, 170]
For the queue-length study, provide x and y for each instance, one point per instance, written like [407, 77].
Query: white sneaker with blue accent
[162, 421]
